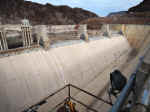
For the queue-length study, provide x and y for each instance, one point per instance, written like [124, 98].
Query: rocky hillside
[140, 11]
[121, 13]
[142, 7]
[12, 11]
[139, 14]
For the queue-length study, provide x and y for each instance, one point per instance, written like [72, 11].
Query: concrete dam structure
[32, 74]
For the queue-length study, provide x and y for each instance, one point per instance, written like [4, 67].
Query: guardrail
[129, 86]
[35, 107]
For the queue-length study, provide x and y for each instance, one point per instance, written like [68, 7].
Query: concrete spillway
[28, 77]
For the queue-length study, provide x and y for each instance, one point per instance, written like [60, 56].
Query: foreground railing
[35, 107]
[130, 86]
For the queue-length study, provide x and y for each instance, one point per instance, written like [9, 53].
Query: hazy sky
[100, 7]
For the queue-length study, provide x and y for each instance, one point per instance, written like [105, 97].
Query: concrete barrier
[43, 34]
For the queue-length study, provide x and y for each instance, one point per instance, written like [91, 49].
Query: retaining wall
[136, 34]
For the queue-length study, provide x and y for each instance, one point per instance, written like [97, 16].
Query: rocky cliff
[141, 10]
[12, 11]
[142, 7]
[139, 14]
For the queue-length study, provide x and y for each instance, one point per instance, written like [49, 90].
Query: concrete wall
[28, 77]
[66, 28]
[50, 28]
[66, 32]
[93, 33]
[48, 34]
[136, 34]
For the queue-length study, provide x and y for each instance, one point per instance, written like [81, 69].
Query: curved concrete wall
[136, 34]
[28, 77]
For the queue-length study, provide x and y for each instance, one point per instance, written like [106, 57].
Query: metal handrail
[129, 86]
[84, 104]
[43, 101]
[58, 105]
[100, 99]
[124, 94]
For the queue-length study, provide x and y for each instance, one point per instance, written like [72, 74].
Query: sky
[100, 7]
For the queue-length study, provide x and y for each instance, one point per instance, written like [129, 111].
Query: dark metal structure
[35, 107]
[130, 86]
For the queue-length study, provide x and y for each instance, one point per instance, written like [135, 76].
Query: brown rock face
[12, 11]
[139, 14]
[142, 7]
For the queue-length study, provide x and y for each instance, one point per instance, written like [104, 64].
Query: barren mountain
[142, 7]
[139, 14]
[12, 11]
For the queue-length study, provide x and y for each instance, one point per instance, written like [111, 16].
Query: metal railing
[117, 106]
[35, 107]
